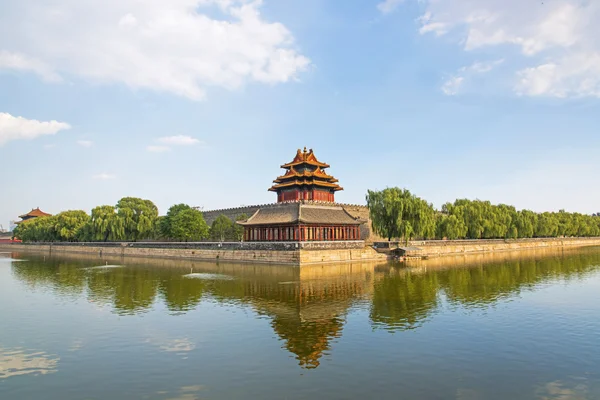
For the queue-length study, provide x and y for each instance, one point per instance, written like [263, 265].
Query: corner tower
[305, 179]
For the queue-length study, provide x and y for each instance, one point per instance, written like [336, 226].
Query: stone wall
[272, 253]
[231, 213]
[293, 253]
[433, 248]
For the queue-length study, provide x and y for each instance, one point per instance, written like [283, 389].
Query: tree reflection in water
[308, 306]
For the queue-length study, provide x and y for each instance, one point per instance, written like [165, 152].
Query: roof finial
[305, 149]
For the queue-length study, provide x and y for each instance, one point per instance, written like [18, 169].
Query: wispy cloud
[85, 143]
[166, 142]
[20, 62]
[104, 176]
[158, 149]
[15, 128]
[558, 54]
[453, 85]
[388, 6]
[178, 140]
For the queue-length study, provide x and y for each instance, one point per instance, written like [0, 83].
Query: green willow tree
[397, 213]
[450, 227]
[41, 229]
[70, 225]
[106, 224]
[138, 217]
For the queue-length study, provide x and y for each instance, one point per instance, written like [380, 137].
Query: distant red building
[34, 213]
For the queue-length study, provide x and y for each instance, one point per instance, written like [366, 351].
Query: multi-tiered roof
[305, 179]
[305, 209]
[34, 213]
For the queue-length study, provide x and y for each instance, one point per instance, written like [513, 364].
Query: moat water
[512, 326]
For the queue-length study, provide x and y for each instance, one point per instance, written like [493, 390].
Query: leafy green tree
[138, 217]
[189, 225]
[165, 223]
[107, 224]
[547, 226]
[221, 228]
[526, 221]
[238, 230]
[396, 213]
[451, 227]
[41, 229]
[70, 223]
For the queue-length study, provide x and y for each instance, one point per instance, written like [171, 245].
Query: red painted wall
[294, 195]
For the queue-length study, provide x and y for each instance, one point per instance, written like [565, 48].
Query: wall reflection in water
[307, 306]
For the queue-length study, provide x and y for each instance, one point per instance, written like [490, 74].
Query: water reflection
[16, 362]
[559, 390]
[307, 307]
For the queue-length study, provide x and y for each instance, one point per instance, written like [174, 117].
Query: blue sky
[200, 101]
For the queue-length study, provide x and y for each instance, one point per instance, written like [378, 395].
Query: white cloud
[575, 76]
[549, 35]
[179, 140]
[388, 6]
[15, 128]
[176, 46]
[454, 84]
[20, 62]
[158, 149]
[104, 176]
[85, 143]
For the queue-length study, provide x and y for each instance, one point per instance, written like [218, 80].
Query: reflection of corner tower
[305, 209]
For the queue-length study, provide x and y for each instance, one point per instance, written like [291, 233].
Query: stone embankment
[435, 248]
[286, 253]
[292, 253]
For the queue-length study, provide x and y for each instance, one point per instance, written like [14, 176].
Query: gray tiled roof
[291, 213]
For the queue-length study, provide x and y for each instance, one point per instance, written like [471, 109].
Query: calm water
[525, 326]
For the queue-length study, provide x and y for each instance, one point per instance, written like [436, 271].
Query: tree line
[131, 219]
[398, 214]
